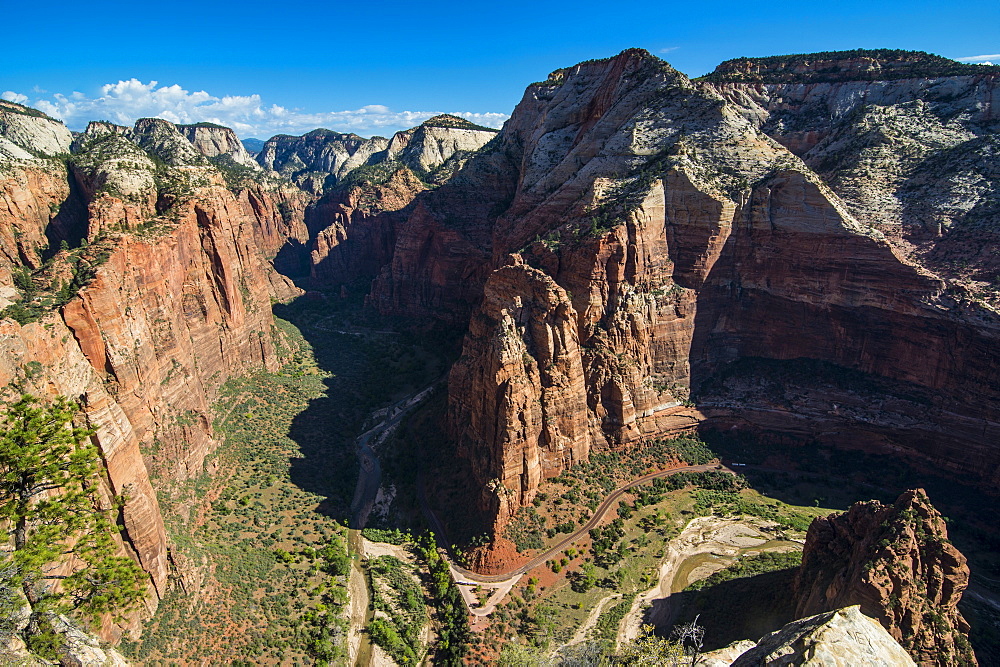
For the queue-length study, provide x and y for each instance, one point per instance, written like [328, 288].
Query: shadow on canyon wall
[371, 362]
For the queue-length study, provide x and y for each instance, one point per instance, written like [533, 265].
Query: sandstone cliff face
[216, 141]
[913, 155]
[170, 297]
[32, 189]
[898, 565]
[683, 239]
[358, 228]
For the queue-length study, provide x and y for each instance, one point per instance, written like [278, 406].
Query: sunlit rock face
[896, 562]
[841, 638]
[165, 292]
[630, 234]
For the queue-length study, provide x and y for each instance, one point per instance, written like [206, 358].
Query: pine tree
[50, 499]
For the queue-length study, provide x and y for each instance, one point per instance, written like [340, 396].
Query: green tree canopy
[50, 499]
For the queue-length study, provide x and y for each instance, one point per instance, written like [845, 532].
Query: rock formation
[314, 157]
[318, 160]
[358, 227]
[896, 563]
[841, 638]
[165, 294]
[214, 141]
[75, 647]
[630, 234]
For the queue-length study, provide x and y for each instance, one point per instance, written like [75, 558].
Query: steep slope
[355, 224]
[896, 563]
[319, 160]
[167, 295]
[215, 141]
[907, 139]
[842, 638]
[631, 234]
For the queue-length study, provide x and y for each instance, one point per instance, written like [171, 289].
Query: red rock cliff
[627, 236]
[897, 563]
[177, 299]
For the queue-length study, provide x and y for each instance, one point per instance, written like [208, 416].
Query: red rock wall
[172, 313]
[732, 249]
[897, 563]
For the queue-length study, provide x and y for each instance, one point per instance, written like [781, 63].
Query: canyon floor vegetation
[263, 540]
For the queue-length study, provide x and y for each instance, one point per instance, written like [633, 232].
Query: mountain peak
[448, 120]
[853, 65]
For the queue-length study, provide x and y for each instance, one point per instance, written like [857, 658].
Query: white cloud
[125, 101]
[11, 96]
[669, 49]
[981, 60]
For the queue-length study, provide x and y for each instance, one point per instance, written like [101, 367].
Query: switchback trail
[599, 513]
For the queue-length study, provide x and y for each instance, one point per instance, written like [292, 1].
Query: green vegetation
[397, 595]
[894, 64]
[371, 174]
[454, 633]
[525, 529]
[751, 566]
[51, 497]
[387, 536]
[237, 176]
[447, 120]
[723, 502]
[206, 124]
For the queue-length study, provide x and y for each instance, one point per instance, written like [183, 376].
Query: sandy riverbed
[705, 546]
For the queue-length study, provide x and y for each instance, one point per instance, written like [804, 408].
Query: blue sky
[376, 67]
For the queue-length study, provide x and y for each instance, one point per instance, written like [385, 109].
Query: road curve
[599, 513]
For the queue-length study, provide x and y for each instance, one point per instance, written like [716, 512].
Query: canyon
[798, 248]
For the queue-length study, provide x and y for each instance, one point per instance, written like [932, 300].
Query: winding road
[599, 513]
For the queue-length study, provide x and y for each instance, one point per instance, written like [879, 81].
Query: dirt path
[357, 641]
[508, 579]
[581, 632]
[598, 515]
[705, 546]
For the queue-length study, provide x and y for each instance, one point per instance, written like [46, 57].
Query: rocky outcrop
[169, 298]
[319, 160]
[215, 141]
[525, 383]
[435, 141]
[27, 133]
[841, 638]
[75, 648]
[318, 156]
[896, 563]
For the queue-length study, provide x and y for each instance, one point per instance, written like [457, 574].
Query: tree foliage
[50, 499]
